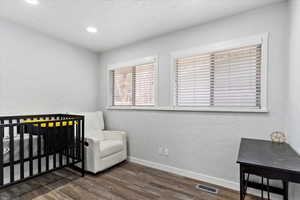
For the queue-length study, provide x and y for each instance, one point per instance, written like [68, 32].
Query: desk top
[268, 154]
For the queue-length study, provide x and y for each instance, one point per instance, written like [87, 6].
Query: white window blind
[226, 79]
[144, 85]
[134, 85]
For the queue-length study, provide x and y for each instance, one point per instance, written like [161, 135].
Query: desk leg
[286, 190]
[242, 181]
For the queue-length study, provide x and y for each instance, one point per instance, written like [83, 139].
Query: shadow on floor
[35, 187]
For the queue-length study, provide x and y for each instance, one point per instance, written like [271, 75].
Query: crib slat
[82, 149]
[18, 127]
[54, 137]
[46, 146]
[73, 141]
[21, 129]
[61, 129]
[68, 142]
[39, 148]
[30, 153]
[1, 155]
[77, 140]
[69, 139]
[79, 136]
[11, 153]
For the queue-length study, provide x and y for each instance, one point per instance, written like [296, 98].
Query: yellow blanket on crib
[48, 123]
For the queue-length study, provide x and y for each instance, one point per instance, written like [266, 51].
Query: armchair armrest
[115, 135]
[92, 147]
[91, 141]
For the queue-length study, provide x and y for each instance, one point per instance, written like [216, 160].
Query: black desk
[267, 160]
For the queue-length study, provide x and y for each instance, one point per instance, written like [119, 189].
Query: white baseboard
[190, 174]
[197, 176]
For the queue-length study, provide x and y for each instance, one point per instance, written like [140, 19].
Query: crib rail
[32, 145]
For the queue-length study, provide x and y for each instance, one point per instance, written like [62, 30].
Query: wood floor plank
[126, 181]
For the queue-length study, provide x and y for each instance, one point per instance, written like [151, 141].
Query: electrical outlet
[166, 151]
[160, 150]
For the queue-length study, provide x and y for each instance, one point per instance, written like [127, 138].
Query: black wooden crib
[33, 145]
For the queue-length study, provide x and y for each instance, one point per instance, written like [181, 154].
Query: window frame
[262, 39]
[132, 63]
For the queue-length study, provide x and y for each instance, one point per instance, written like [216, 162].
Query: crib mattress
[6, 150]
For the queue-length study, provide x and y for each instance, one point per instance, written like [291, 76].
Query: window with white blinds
[134, 85]
[226, 79]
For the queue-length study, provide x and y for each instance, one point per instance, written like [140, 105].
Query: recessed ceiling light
[32, 2]
[91, 29]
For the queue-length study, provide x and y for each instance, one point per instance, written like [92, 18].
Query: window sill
[187, 109]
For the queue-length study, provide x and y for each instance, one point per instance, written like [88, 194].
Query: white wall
[292, 121]
[294, 71]
[202, 142]
[41, 75]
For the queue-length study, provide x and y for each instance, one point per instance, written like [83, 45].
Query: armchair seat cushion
[94, 135]
[109, 147]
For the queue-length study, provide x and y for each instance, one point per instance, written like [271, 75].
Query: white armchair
[103, 148]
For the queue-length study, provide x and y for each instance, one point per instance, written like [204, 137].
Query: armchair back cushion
[93, 120]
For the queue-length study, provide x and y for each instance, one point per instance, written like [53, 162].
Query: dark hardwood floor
[126, 181]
